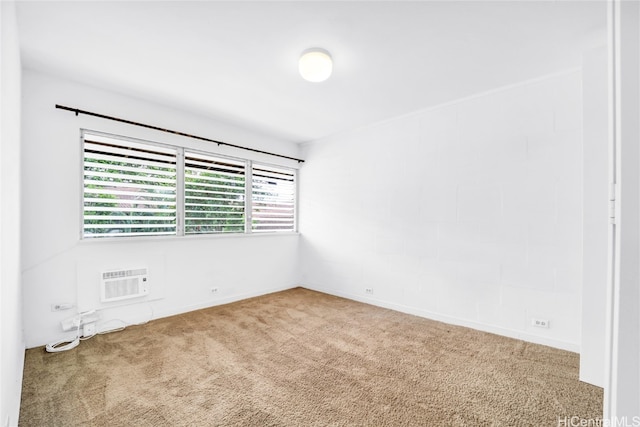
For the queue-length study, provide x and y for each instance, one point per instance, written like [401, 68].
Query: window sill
[155, 239]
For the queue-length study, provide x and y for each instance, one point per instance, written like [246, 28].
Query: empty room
[306, 213]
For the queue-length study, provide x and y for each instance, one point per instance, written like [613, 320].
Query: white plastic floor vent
[124, 284]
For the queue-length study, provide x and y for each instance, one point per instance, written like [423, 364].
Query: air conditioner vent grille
[107, 275]
[124, 284]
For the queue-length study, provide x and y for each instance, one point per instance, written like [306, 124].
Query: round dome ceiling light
[315, 65]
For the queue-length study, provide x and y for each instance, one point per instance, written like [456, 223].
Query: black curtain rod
[175, 132]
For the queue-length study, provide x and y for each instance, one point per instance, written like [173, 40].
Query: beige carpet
[302, 358]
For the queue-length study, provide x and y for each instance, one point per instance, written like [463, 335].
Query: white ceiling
[237, 61]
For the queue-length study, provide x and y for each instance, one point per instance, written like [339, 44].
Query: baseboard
[220, 301]
[113, 319]
[563, 345]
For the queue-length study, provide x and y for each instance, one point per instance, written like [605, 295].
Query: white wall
[11, 342]
[469, 213]
[595, 216]
[58, 267]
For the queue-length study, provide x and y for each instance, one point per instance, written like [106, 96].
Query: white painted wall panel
[12, 343]
[471, 212]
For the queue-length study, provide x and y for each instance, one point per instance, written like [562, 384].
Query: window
[138, 188]
[129, 188]
[273, 196]
[214, 194]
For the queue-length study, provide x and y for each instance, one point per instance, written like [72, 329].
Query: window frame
[274, 170]
[183, 175]
[181, 154]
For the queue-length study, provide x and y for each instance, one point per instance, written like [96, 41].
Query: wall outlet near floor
[368, 291]
[61, 306]
[540, 323]
[214, 290]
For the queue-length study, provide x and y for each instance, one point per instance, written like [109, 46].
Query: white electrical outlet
[540, 323]
[214, 290]
[368, 291]
[61, 306]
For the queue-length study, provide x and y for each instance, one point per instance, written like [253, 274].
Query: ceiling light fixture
[315, 65]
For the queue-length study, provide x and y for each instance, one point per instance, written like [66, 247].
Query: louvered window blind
[129, 188]
[214, 193]
[135, 188]
[273, 198]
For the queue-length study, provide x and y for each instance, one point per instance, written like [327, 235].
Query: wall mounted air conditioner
[118, 285]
